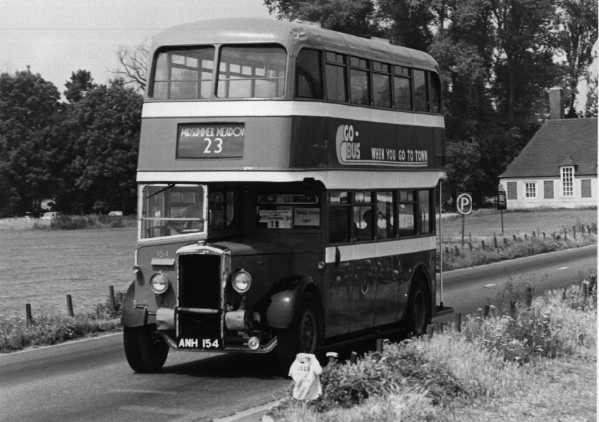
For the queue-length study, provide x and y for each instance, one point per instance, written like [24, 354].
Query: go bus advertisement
[359, 143]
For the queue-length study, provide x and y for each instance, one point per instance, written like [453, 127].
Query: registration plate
[199, 343]
[210, 140]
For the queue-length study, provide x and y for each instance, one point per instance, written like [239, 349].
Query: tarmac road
[89, 380]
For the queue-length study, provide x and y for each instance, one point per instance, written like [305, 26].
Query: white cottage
[556, 169]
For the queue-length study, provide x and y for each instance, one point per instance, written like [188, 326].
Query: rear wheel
[145, 351]
[418, 314]
[302, 337]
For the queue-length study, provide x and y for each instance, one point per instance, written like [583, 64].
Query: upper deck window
[335, 72]
[308, 80]
[358, 76]
[402, 93]
[251, 72]
[435, 92]
[420, 94]
[183, 74]
[381, 85]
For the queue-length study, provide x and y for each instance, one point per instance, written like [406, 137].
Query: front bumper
[165, 323]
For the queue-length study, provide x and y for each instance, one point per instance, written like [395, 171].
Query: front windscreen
[245, 71]
[183, 74]
[251, 72]
[169, 210]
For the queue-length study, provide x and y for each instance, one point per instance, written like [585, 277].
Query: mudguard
[282, 306]
[132, 317]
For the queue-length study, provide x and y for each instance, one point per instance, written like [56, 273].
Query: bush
[400, 365]
[49, 329]
[75, 222]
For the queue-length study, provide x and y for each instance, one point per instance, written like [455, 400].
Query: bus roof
[293, 36]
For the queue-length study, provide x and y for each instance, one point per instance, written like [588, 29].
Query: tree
[463, 167]
[355, 17]
[576, 25]
[28, 109]
[408, 22]
[79, 85]
[103, 135]
[134, 64]
[523, 60]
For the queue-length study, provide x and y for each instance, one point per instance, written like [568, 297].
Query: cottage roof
[557, 143]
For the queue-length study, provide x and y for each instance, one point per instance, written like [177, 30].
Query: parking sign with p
[464, 204]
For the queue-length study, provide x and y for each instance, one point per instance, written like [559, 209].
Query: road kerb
[250, 415]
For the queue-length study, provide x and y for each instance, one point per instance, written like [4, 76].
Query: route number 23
[213, 146]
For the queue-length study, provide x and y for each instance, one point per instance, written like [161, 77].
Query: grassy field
[41, 267]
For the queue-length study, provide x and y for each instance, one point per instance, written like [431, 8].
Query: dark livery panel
[285, 143]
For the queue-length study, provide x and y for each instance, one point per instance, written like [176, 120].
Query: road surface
[90, 380]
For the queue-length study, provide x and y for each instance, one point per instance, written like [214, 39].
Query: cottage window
[531, 190]
[512, 190]
[585, 188]
[567, 175]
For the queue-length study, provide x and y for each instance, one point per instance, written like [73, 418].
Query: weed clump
[399, 366]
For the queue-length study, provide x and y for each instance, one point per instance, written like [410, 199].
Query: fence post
[430, 330]
[458, 322]
[70, 306]
[28, 316]
[112, 298]
[513, 309]
[528, 296]
[495, 241]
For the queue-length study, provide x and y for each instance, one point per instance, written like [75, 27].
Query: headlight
[241, 281]
[159, 283]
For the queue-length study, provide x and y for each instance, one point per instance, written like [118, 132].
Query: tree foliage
[77, 152]
[28, 110]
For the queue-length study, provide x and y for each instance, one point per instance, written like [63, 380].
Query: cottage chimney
[556, 111]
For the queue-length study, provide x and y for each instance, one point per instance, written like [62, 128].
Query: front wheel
[302, 337]
[145, 351]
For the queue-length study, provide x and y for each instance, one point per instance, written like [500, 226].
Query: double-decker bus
[286, 182]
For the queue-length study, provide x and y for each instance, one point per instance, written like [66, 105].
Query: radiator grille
[199, 281]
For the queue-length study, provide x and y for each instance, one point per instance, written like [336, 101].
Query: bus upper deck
[234, 101]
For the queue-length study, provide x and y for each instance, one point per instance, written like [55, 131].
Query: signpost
[464, 207]
[501, 204]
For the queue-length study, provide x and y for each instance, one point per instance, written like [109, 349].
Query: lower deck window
[364, 215]
[288, 210]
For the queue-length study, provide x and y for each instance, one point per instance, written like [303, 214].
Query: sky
[57, 37]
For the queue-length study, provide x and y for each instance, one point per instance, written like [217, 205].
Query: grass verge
[485, 250]
[537, 364]
[17, 334]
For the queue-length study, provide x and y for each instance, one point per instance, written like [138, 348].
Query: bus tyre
[418, 309]
[145, 351]
[302, 337]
